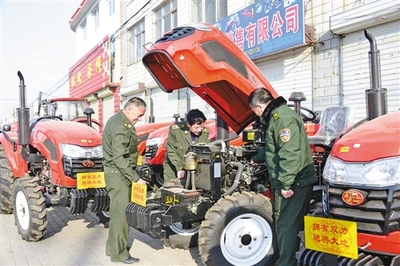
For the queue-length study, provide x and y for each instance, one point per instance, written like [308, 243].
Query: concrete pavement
[80, 240]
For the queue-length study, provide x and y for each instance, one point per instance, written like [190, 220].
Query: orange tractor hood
[202, 58]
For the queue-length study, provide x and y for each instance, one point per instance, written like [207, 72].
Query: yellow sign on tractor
[331, 236]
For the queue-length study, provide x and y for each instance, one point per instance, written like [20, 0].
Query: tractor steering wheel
[308, 115]
[49, 117]
[42, 118]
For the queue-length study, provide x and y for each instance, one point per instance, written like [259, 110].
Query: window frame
[165, 18]
[111, 7]
[200, 10]
[137, 42]
[83, 27]
[96, 17]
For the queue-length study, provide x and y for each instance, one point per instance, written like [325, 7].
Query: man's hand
[253, 163]
[181, 174]
[141, 181]
[287, 193]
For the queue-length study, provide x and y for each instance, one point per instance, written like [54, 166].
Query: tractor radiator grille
[151, 152]
[379, 213]
[81, 165]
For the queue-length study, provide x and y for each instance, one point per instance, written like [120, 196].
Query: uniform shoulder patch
[285, 134]
[275, 115]
[127, 125]
[175, 126]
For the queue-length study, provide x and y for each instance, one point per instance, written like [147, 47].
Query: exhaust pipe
[376, 96]
[23, 120]
[222, 129]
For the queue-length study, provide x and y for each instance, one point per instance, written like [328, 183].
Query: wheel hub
[246, 239]
[22, 210]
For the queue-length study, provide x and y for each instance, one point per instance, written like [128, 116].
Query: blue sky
[37, 40]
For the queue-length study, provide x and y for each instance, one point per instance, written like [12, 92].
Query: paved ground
[80, 240]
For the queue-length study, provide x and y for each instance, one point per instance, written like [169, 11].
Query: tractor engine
[213, 171]
[218, 170]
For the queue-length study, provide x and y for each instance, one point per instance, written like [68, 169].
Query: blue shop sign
[266, 27]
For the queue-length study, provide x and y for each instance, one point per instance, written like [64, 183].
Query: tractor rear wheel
[239, 230]
[6, 184]
[29, 209]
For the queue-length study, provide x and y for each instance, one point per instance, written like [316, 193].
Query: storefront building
[315, 47]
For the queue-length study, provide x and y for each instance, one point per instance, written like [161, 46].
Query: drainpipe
[151, 116]
[187, 101]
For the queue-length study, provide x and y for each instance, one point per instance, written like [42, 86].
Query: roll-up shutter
[289, 72]
[108, 108]
[356, 66]
[196, 102]
[164, 105]
[95, 106]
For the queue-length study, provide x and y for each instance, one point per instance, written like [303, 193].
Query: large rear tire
[29, 209]
[6, 184]
[239, 230]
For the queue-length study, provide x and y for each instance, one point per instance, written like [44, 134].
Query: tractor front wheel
[104, 217]
[181, 235]
[238, 230]
[29, 209]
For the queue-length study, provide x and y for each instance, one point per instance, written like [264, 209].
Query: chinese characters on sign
[77, 79]
[91, 180]
[331, 236]
[91, 72]
[138, 194]
[266, 27]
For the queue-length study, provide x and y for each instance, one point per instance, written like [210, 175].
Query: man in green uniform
[290, 167]
[120, 157]
[181, 135]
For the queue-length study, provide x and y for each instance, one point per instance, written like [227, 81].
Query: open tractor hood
[202, 58]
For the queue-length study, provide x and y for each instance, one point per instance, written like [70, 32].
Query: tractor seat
[333, 121]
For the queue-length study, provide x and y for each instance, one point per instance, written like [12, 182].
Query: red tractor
[50, 161]
[225, 191]
[361, 184]
[225, 211]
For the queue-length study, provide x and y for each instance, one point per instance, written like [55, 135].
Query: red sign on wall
[91, 72]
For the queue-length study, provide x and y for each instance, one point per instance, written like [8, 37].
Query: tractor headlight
[75, 151]
[379, 173]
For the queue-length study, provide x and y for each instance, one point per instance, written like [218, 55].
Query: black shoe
[131, 260]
